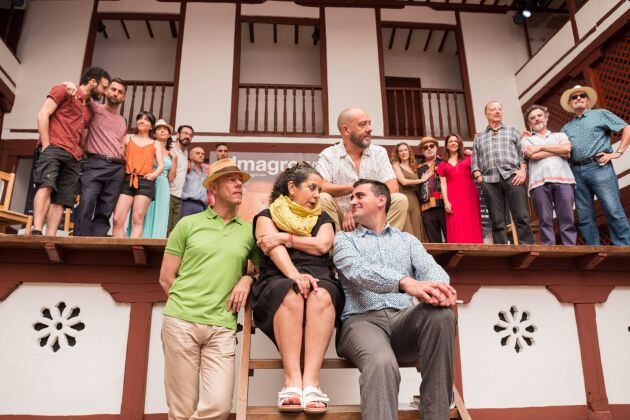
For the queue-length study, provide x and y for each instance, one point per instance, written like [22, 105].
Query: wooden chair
[340, 412]
[8, 217]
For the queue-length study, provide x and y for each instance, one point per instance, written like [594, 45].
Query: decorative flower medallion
[515, 329]
[58, 325]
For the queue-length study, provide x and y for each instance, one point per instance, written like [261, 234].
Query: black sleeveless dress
[272, 286]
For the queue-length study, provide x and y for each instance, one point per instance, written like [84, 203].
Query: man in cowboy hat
[353, 158]
[591, 156]
[431, 202]
[498, 166]
[203, 274]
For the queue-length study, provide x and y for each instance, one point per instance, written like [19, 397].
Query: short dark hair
[220, 144]
[119, 81]
[151, 119]
[297, 174]
[96, 73]
[181, 127]
[378, 188]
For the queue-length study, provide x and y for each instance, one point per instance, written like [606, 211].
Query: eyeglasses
[579, 95]
[429, 146]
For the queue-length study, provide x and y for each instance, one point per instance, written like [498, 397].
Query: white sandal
[286, 393]
[310, 394]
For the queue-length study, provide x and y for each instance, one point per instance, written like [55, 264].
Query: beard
[363, 143]
[113, 100]
[94, 94]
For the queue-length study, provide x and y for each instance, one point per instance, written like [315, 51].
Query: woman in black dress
[296, 294]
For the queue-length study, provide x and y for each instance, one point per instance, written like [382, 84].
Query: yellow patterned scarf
[291, 217]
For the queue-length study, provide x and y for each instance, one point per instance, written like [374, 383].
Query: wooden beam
[590, 262]
[251, 32]
[426, 44]
[452, 259]
[140, 255]
[122, 22]
[418, 25]
[408, 39]
[138, 16]
[171, 23]
[296, 34]
[280, 20]
[522, 261]
[149, 28]
[55, 254]
[275, 33]
[443, 41]
[392, 36]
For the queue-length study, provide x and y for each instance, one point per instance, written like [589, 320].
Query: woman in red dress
[461, 198]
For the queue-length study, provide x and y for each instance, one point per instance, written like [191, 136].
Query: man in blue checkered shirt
[498, 166]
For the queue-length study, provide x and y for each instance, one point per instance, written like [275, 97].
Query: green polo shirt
[214, 256]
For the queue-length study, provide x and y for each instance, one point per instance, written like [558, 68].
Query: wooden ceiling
[420, 40]
[117, 29]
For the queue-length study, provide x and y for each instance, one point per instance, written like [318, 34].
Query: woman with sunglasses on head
[297, 299]
[460, 194]
[406, 170]
[143, 164]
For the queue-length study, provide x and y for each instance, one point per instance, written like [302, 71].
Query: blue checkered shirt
[497, 153]
[371, 265]
[590, 133]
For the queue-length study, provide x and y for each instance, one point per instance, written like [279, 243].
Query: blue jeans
[601, 181]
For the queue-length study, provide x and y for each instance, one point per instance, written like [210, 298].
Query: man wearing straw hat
[591, 163]
[204, 274]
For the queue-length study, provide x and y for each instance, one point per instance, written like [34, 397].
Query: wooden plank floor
[338, 412]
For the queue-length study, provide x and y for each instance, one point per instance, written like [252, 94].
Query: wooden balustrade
[280, 109]
[416, 112]
[147, 95]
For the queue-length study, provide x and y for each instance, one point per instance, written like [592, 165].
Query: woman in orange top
[142, 153]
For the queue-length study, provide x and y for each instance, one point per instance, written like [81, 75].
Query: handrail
[279, 85]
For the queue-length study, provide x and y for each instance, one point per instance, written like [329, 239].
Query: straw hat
[162, 123]
[223, 167]
[566, 97]
[426, 140]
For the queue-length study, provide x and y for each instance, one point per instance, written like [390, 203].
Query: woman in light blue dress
[156, 218]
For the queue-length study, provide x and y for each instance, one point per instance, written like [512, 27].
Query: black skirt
[272, 286]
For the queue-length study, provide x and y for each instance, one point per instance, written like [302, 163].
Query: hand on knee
[320, 301]
[293, 302]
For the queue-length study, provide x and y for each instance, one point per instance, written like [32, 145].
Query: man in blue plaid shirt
[498, 166]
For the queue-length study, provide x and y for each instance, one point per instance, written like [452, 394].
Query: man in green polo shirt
[204, 274]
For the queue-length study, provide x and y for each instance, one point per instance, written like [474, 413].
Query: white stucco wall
[140, 57]
[52, 47]
[613, 330]
[138, 6]
[547, 373]
[353, 69]
[205, 79]
[279, 8]
[418, 14]
[494, 48]
[83, 379]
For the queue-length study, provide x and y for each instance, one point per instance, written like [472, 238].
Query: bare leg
[41, 204]
[320, 322]
[120, 214]
[140, 206]
[287, 327]
[53, 218]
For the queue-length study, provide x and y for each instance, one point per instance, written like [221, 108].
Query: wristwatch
[289, 243]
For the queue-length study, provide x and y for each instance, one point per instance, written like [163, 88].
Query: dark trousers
[375, 342]
[100, 188]
[434, 221]
[192, 207]
[174, 213]
[548, 197]
[497, 193]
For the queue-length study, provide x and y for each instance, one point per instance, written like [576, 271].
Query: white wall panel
[84, 378]
[613, 329]
[546, 373]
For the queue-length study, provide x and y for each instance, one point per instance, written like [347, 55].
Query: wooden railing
[280, 109]
[145, 95]
[415, 112]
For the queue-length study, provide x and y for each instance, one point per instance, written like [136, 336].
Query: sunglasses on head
[428, 146]
[579, 95]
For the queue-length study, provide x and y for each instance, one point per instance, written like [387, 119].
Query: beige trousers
[396, 216]
[199, 369]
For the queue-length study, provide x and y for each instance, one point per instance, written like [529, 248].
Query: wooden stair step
[327, 364]
[338, 412]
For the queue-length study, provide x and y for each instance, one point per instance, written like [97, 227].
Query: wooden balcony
[417, 112]
[280, 109]
[147, 95]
